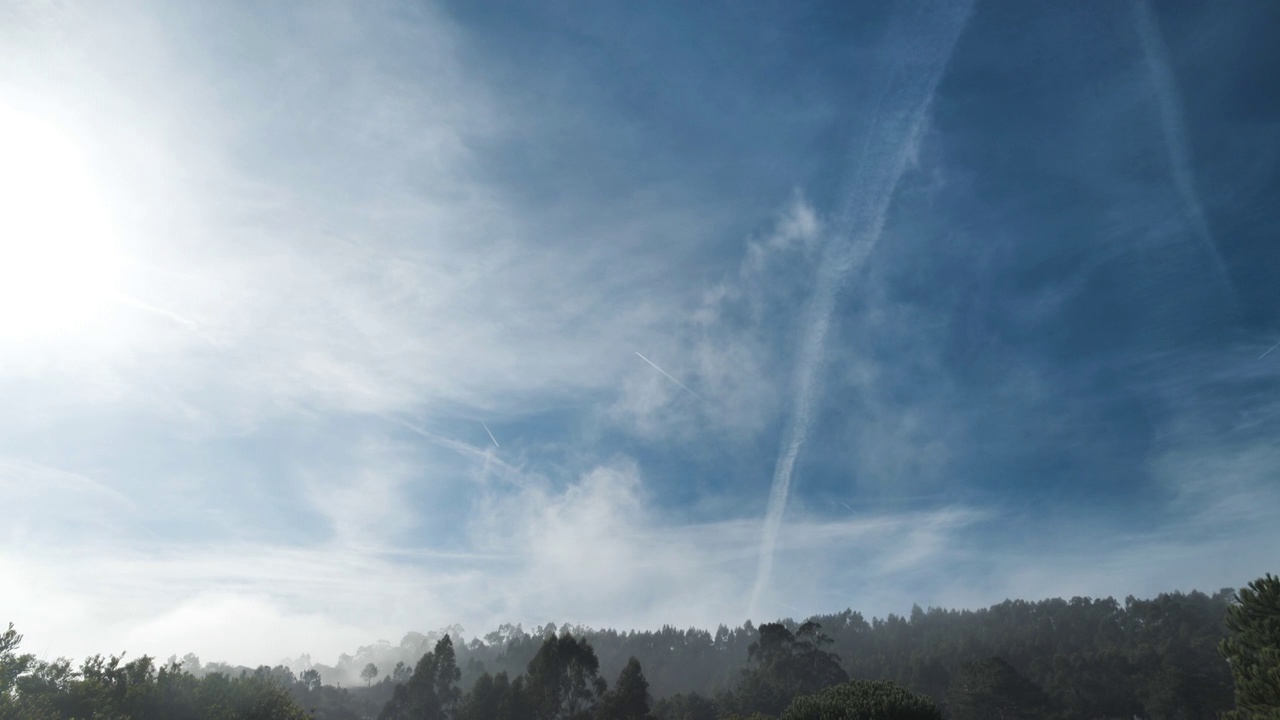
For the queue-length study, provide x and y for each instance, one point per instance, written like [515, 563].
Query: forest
[1176, 656]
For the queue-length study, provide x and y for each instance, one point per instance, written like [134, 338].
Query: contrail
[491, 437]
[512, 473]
[1268, 352]
[134, 302]
[1175, 136]
[888, 147]
[672, 379]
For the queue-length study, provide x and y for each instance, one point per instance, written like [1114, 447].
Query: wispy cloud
[1175, 135]
[876, 169]
[348, 236]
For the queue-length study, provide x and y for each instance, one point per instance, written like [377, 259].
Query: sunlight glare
[58, 263]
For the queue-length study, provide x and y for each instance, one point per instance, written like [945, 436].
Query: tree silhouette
[432, 691]
[564, 678]
[310, 679]
[784, 665]
[629, 697]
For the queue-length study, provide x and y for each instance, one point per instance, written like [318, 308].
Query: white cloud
[324, 219]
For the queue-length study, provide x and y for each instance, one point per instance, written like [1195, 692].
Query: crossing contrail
[672, 379]
[887, 148]
[134, 302]
[1268, 352]
[491, 437]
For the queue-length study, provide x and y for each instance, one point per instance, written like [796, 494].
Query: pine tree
[1253, 649]
[629, 698]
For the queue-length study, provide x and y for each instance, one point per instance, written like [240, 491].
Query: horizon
[459, 634]
[325, 323]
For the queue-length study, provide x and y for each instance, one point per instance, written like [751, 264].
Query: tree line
[1177, 656]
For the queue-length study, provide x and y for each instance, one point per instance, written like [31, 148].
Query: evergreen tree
[564, 678]
[432, 691]
[1253, 649]
[629, 698]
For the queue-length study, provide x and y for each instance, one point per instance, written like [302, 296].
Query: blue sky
[770, 308]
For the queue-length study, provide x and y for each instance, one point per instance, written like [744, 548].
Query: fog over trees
[1175, 656]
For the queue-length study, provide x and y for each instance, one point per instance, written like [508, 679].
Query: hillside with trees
[1176, 657]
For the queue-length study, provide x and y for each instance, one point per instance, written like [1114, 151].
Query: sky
[321, 323]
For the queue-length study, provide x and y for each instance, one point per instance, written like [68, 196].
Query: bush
[863, 700]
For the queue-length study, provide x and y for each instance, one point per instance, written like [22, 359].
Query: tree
[401, 673]
[369, 672]
[484, 699]
[993, 689]
[564, 678]
[496, 698]
[12, 665]
[863, 700]
[784, 665]
[1252, 649]
[682, 706]
[310, 679]
[110, 687]
[629, 698]
[432, 691]
[797, 661]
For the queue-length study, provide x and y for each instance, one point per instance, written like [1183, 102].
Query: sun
[58, 262]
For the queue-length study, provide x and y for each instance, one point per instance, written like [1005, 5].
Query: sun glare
[57, 259]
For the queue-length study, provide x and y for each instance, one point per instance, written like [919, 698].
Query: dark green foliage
[310, 679]
[1156, 659]
[111, 689]
[686, 706]
[564, 679]
[496, 698]
[1252, 649]
[784, 666]
[863, 700]
[629, 698]
[991, 689]
[432, 691]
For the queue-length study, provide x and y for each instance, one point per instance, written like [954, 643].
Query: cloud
[729, 342]
[1157, 57]
[889, 146]
[595, 551]
[353, 240]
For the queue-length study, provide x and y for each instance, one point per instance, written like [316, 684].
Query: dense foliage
[993, 689]
[863, 700]
[1093, 658]
[112, 688]
[1253, 649]
[1172, 657]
